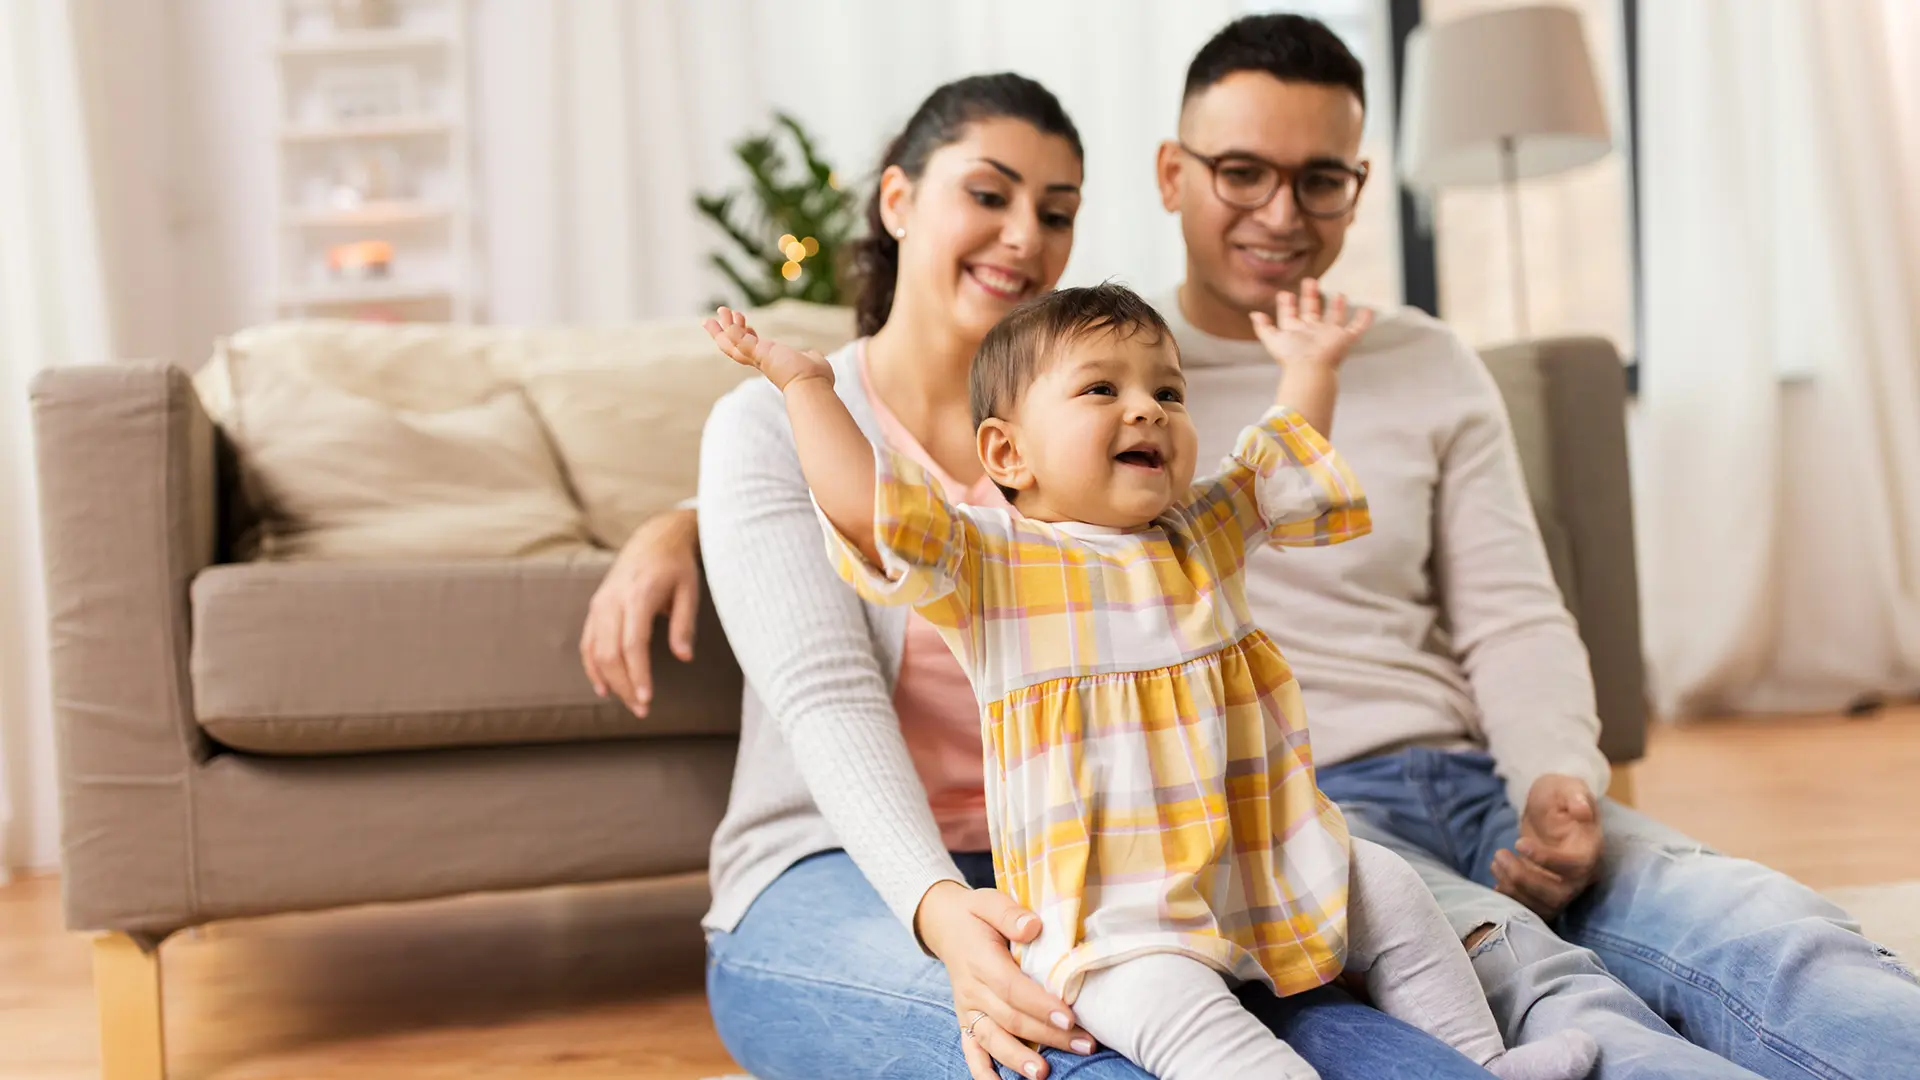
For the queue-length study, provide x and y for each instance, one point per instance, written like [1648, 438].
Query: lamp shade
[1520, 73]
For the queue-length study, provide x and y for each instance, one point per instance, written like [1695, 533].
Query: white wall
[203, 264]
[223, 132]
[557, 82]
[602, 119]
[599, 127]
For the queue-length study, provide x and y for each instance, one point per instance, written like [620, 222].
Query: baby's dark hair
[1016, 350]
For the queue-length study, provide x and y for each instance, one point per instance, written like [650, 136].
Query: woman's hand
[655, 574]
[968, 929]
[781, 364]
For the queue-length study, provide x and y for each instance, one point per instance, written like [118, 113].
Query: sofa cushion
[337, 658]
[626, 406]
[1516, 370]
[374, 442]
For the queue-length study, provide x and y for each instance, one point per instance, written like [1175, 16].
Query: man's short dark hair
[1291, 48]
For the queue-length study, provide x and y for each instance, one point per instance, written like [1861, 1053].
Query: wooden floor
[1833, 800]
[586, 984]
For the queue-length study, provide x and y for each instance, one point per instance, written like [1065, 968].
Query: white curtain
[1778, 442]
[52, 311]
[602, 117]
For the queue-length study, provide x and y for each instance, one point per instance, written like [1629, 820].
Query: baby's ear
[999, 449]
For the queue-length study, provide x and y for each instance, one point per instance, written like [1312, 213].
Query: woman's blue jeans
[820, 980]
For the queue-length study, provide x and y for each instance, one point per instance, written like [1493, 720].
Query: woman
[857, 818]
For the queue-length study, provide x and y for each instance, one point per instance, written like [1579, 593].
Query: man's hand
[1310, 345]
[1300, 332]
[1558, 855]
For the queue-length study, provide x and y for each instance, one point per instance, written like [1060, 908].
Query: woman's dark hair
[940, 120]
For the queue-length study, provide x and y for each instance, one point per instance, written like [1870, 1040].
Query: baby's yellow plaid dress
[1150, 785]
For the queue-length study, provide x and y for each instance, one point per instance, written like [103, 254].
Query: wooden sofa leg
[1620, 788]
[126, 986]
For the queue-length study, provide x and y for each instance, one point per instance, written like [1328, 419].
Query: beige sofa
[251, 737]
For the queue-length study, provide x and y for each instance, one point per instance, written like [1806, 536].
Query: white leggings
[1178, 1019]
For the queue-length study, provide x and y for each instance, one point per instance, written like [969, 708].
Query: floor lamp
[1498, 98]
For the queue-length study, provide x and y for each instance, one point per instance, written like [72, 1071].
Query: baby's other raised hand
[1299, 332]
[781, 364]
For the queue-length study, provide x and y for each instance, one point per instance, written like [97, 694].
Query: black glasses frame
[1288, 177]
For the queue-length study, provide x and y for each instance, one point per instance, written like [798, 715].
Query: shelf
[362, 43]
[368, 215]
[396, 90]
[401, 127]
[363, 292]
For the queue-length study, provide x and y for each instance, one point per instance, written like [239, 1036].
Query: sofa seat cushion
[339, 658]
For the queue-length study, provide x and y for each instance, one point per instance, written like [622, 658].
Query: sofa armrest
[1567, 400]
[128, 503]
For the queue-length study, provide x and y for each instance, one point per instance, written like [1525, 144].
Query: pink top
[938, 714]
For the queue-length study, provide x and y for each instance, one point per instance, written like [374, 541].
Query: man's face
[1241, 259]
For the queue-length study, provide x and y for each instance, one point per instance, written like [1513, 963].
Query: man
[1449, 694]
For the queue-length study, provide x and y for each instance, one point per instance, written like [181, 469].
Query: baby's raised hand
[781, 364]
[1300, 333]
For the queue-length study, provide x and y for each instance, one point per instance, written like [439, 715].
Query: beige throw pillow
[626, 405]
[365, 442]
[370, 441]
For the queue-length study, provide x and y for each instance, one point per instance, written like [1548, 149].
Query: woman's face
[988, 224]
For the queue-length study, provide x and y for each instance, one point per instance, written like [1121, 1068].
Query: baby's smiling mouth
[1144, 457]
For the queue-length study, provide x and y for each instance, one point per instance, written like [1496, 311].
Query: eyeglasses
[1322, 189]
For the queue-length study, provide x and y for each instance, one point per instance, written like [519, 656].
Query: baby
[1150, 787]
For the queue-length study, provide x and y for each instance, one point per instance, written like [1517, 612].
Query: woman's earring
[900, 233]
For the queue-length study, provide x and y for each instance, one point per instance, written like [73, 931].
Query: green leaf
[755, 297]
[782, 196]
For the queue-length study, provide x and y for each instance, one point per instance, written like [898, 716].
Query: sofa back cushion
[626, 406]
[373, 441]
[366, 442]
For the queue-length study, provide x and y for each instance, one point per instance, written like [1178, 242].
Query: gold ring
[977, 1017]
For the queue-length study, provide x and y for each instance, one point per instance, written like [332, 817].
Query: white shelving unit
[399, 127]
[365, 292]
[373, 148]
[362, 43]
[370, 215]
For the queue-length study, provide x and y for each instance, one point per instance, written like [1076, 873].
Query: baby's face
[1105, 433]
